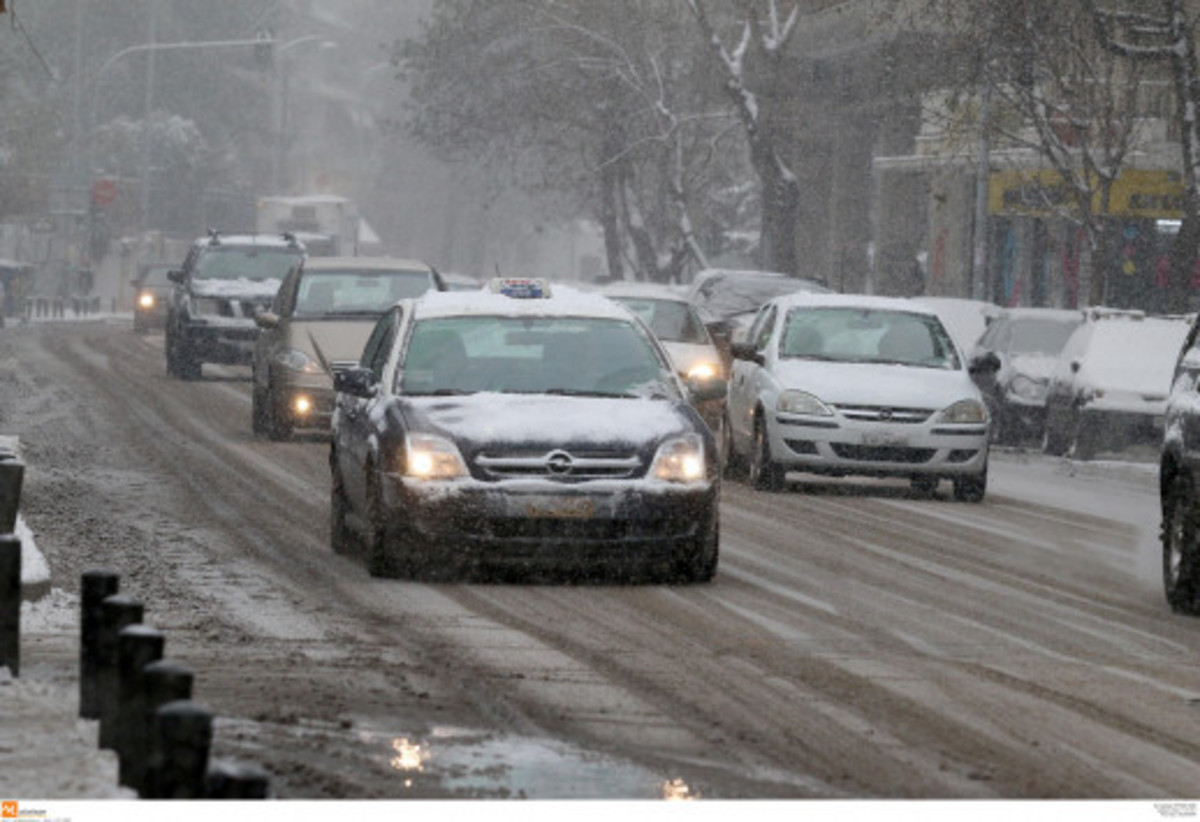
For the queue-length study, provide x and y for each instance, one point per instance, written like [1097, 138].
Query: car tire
[766, 473]
[341, 538]
[181, 362]
[1180, 551]
[381, 555]
[971, 488]
[1087, 440]
[277, 429]
[733, 464]
[700, 565]
[258, 412]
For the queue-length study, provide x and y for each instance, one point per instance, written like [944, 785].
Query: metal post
[236, 780]
[137, 647]
[10, 603]
[116, 613]
[166, 681]
[184, 731]
[96, 585]
[12, 472]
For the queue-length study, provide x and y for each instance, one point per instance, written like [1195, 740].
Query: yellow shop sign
[1137, 193]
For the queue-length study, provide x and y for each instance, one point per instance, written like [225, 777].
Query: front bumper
[840, 447]
[534, 523]
[226, 343]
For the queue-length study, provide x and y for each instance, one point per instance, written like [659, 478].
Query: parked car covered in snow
[1110, 384]
[514, 427]
[1026, 343]
[1179, 481]
[847, 385]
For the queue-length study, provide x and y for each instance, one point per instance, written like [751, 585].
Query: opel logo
[559, 463]
[885, 414]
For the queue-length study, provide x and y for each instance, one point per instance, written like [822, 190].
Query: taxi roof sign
[521, 288]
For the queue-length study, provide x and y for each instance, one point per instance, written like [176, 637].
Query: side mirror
[986, 364]
[266, 319]
[357, 382]
[746, 351]
[175, 275]
[703, 389]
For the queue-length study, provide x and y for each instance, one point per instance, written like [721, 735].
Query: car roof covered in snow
[563, 301]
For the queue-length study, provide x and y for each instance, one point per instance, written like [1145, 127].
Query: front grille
[517, 528]
[885, 413]
[880, 453]
[559, 464]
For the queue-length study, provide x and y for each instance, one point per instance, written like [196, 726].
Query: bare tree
[1168, 37]
[764, 36]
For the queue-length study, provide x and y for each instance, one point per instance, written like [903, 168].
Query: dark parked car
[317, 325]
[224, 282]
[152, 290]
[1179, 478]
[1026, 343]
[523, 429]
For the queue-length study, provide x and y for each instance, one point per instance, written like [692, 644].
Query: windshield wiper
[572, 392]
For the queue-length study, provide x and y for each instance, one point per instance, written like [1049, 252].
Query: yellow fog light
[703, 371]
[302, 405]
[146, 300]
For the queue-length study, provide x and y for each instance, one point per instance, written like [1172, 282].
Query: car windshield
[326, 293]
[581, 356]
[246, 262]
[1040, 336]
[867, 335]
[670, 320]
[727, 295]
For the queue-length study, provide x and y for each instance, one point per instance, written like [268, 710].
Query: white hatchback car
[841, 385]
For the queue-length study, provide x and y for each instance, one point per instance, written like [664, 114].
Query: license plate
[556, 507]
[884, 438]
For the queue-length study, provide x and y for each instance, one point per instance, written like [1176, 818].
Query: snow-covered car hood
[1035, 366]
[899, 386]
[236, 289]
[544, 421]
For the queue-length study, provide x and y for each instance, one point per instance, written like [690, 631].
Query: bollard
[236, 780]
[184, 730]
[96, 585]
[166, 681]
[10, 603]
[116, 612]
[137, 647]
[11, 473]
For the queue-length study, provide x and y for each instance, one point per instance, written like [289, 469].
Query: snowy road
[859, 642]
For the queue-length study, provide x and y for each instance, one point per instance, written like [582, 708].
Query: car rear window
[324, 293]
[246, 263]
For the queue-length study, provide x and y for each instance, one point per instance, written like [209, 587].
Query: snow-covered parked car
[225, 280]
[518, 427]
[964, 318]
[854, 385]
[1179, 479]
[1027, 343]
[1109, 386]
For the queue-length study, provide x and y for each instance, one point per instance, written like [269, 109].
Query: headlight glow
[296, 360]
[703, 371]
[801, 402]
[302, 405]
[680, 460]
[146, 300]
[433, 457]
[964, 411]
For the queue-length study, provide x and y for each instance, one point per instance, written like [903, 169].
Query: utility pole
[147, 136]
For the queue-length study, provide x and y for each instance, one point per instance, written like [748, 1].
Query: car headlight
[964, 411]
[433, 457]
[295, 360]
[680, 460]
[146, 300]
[801, 402]
[206, 307]
[1027, 388]
[704, 371]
